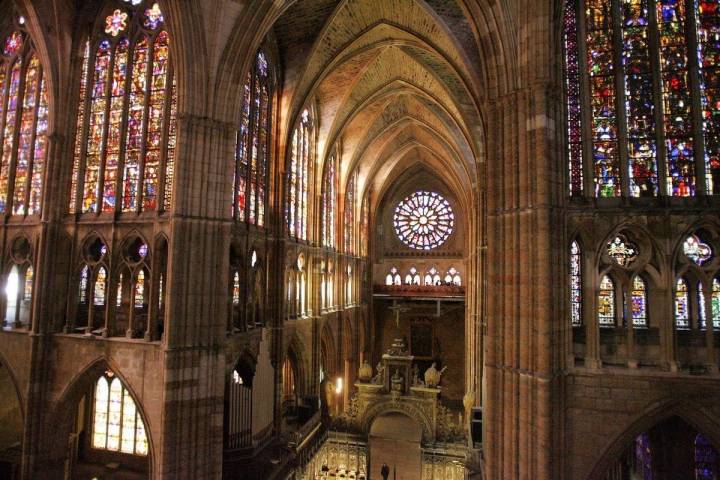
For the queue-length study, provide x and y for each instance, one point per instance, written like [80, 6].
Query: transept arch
[689, 411]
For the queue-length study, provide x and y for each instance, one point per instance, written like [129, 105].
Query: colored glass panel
[82, 293]
[139, 297]
[707, 460]
[100, 413]
[114, 415]
[682, 307]
[100, 287]
[575, 284]
[572, 98]
[328, 202]
[8, 143]
[424, 220]
[77, 153]
[114, 136]
[171, 150]
[298, 178]
[606, 302]
[241, 152]
[677, 101]
[153, 17]
[622, 251]
[135, 125]
[153, 140]
[96, 133]
[116, 22]
[715, 304]
[349, 229]
[236, 289]
[638, 307]
[639, 102]
[39, 153]
[129, 418]
[708, 26]
[643, 457]
[13, 44]
[696, 250]
[28, 284]
[600, 60]
[25, 139]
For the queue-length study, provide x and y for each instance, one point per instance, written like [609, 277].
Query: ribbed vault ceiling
[394, 83]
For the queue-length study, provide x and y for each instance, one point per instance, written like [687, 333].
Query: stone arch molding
[406, 408]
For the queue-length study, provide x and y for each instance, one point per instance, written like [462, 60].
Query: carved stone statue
[432, 376]
[365, 372]
[416, 382]
[396, 382]
[378, 380]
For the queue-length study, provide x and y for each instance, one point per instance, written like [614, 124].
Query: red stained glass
[40, 152]
[708, 23]
[8, 142]
[13, 44]
[117, 105]
[25, 139]
[135, 125]
[573, 103]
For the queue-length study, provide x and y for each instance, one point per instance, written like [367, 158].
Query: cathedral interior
[360, 239]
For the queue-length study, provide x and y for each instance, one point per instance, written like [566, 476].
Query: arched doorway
[394, 440]
[11, 432]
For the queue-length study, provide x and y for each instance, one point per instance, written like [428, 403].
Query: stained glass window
[424, 220]
[622, 251]
[126, 121]
[575, 284]
[23, 126]
[118, 296]
[28, 284]
[432, 277]
[412, 277]
[140, 289]
[715, 303]
[697, 251]
[643, 457]
[606, 302]
[117, 425]
[100, 287]
[629, 63]
[349, 227]
[299, 168]
[701, 305]
[365, 226]
[329, 200]
[253, 144]
[707, 460]
[393, 278]
[682, 307]
[236, 289]
[638, 307]
[83, 287]
[708, 25]
[452, 277]
[572, 99]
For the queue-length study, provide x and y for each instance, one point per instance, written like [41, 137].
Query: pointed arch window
[126, 129]
[329, 200]
[606, 302]
[117, 425]
[682, 304]
[638, 306]
[575, 285]
[636, 124]
[393, 278]
[413, 277]
[349, 229]
[252, 151]
[299, 171]
[23, 126]
[452, 277]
